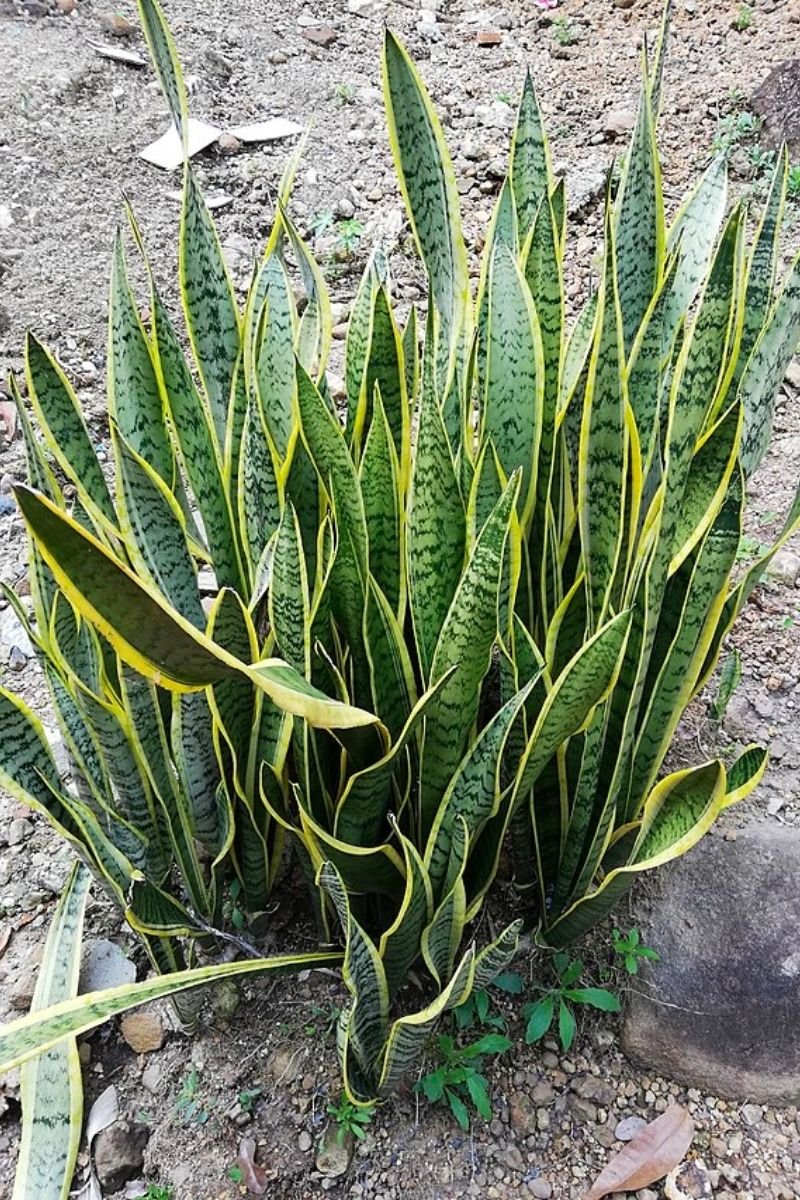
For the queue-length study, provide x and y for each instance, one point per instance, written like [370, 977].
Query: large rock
[722, 1009]
[777, 102]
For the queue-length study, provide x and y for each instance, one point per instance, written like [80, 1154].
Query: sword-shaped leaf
[28, 1036]
[51, 1087]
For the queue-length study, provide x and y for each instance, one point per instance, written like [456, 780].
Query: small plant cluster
[461, 613]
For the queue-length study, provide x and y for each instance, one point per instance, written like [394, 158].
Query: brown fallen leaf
[654, 1152]
[254, 1177]
[5, 938]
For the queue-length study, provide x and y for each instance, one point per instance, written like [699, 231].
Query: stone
[584, 1110]
[619, 121]
[143, 1030]
[592, 1087]
[542, 1189]
[785, 566]
[321, 35]
[365, 8]
[66, 6]
[624, 3]
[628, 1128]
[522, 1113]
[18, 831]
[116, 25]
[724, 919]
[13, 633]
[228, 144]
[119, 1154]
[511, 1157]
[777, 102]
[305, 1141]
[21, 992]
[105, 965]
[792, 378]
[333, 1157]
[285, 1063]
[489, 37]
[16, 659]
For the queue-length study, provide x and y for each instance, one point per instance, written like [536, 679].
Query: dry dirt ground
[71, 127]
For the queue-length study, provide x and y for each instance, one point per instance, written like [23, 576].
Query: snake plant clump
[468, 611]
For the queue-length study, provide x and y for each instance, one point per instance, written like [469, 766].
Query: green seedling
[793, 182]
[743, 19]
[248, 1097]
[630, 949]
[350, 1118]
[459, 1080]
[189, 1105]
[348, 235]
[344, 93]
[557, 1003]
[156, 1192]
[476, 1011]
[564, 32]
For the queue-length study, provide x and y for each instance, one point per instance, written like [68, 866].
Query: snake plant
[465, 610]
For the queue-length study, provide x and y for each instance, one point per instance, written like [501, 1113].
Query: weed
[348, 235]
[729, 679]
[557, 1002]
[459, 1079]
[350, 1118]
[564, 32]
[793, 182]
[476, 1011]
[189, 1105]
[324, 1019]
[344, 93]
[743, 19]
[235, 1173]
[320, 222]
[761, 161]
[248, 1097]
[156, 1192]
[505, 98]
[630, 949]
[735, 128]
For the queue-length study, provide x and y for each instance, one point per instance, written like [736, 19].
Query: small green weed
[348, 235]
[189, 1105]
[350, 1118]
[793, 182]
[630, 949]
[761, 161]
[505, 98]
[156, 1192]
[459, 1080]
[248, 1097]
[324, 1019]
[743, 19]
[564, 32]
[232, 909]
[477, 1011]
[344, 93]
[558, 1002]
[729, 679]
[735, 128]
[235, 1173]
[320, 222]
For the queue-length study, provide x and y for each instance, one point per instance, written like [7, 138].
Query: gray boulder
[721, 1011]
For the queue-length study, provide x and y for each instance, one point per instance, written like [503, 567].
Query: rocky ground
[71, 126]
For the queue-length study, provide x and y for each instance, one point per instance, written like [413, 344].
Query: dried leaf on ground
[253, 1177]
[5, 938]
[654, 1152]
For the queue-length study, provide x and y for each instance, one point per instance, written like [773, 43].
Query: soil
[72, 124]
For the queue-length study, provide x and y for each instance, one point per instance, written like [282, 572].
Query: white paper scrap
[267, 131]
[167, 152]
